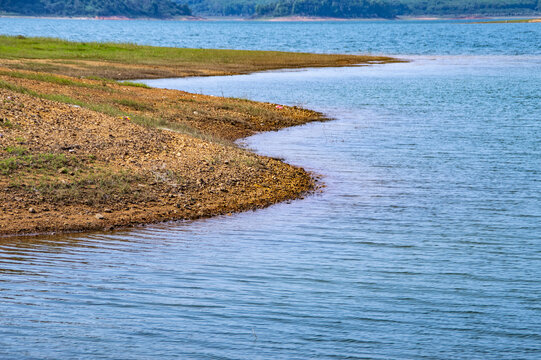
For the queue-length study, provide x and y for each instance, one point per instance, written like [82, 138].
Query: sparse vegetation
[134, 84]
[85, 152]
[132, 104]
[96, 188]
[21, 161]
[110, 60]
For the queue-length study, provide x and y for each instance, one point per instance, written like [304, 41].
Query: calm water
[426, 243]
[387, 37]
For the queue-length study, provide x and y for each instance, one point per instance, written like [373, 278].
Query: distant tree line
[128, 8]
[330, 8]
[270, 8]
[471, 7]
[225, 7]
[363, 8]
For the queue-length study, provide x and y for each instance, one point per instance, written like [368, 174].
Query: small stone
[99, 216]
[32, 210]
[108, 210]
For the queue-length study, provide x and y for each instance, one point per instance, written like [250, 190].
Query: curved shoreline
[163, 176]
[80, 154]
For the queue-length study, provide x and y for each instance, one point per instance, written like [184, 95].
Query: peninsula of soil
[80, 150]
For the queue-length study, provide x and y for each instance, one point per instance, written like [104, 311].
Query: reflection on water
[425, 243]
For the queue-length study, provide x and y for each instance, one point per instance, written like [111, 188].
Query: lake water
[425, 244]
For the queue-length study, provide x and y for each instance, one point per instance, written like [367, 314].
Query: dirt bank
[81, 151]
[66, 168]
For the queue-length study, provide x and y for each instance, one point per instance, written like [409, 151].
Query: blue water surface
[425, 243]
[458, 37]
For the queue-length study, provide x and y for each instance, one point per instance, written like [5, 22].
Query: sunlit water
[387, 37]
[424, 244]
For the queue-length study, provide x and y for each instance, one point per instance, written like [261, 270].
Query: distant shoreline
[109, 18]
[527, 18]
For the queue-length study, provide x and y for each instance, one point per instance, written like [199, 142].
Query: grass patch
[43, 163]
[98, 187]
[61, 98]
[134, 84]
[44, 77]
[136, 105]
[5, 123]
[53, 79]
[189, 62]
[16, 150]
[160, 123]
[105, 108]
[16, 88]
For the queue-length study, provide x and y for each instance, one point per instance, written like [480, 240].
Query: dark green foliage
[128, 8]
[330, 8]
[470, 7]
[364, 8]
[226, 7]
[271, 8]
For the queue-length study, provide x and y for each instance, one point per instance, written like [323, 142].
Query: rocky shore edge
[66, 168]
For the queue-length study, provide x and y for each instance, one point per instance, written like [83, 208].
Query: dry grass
[210, 118]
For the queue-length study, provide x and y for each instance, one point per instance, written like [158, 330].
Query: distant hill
[226, 7]
[364, 8]
[271, 8]
[331, 8]
[472, 7]
[127, 8]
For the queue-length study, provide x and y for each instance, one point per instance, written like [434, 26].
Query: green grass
[112, 110]
[5, 123]
[44, 163]
[133, 104]
[108, 109]
[12, 47]
[92, 187]
[134, 84]
[16, 88]
[160, 123]
[95, 188]
[50, 78]
[16, 150]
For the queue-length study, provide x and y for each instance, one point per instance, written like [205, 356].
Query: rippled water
[387, 37]
[425, 243]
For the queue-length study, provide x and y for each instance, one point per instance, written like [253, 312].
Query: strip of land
[130, 61]
[514, 21]
[81, 151]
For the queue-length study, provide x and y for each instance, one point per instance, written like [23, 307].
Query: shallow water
[425, 243]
